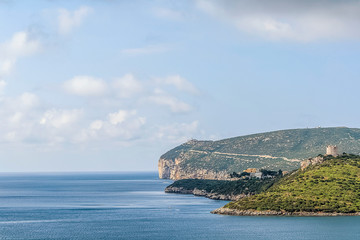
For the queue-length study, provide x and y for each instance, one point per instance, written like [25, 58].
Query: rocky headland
[324, 186]
[173, 169]
[220, 189]
[204, 193]
[276, 150]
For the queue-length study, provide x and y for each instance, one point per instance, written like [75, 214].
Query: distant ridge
[283, 149]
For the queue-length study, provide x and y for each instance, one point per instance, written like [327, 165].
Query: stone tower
[332, 150]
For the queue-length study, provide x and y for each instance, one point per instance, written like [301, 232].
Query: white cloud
[122, 126]
[173, 103]
[26, 122]
[20, 45]
[145, 50]
[179, 82]
[19, 117]
[129, 128]
[68, 20]
[168, 13]
[16, 117]
[178, 132]
[59, 118]
[11, 137]
[291, 20]
[2, 86]
[96, 125]
[29, 100]
[25, 102]
[6, 66]
[120, 116]
[127, 86]
[85, 86]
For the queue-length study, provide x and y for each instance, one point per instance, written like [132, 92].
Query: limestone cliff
[283, 150]
[171, 169]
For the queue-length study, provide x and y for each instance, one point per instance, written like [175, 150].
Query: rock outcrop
[235, 212]
[166, 168]
[329, 187]
[203, 193]
[172, 169]
[276, 150]
[311, 161]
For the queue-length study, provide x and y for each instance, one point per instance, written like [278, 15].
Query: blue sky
[111, 85]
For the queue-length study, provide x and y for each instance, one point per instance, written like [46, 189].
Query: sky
[90, 85]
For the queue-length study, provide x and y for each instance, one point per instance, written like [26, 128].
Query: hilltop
[272, 150]
[329, 188]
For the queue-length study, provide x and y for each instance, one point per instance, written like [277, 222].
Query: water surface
[134, 206]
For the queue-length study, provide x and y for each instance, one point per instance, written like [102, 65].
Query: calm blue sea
[134, 206]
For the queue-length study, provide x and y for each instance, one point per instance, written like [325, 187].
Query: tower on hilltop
[332, 150]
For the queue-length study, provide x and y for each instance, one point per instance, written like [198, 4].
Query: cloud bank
[85, 86]
[31, 120]
[68, 20]
[290, 20]
[20, 45]
[179, 82]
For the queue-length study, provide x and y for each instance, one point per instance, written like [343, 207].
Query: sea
[134, 206]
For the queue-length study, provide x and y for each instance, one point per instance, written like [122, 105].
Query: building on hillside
[261, 173]
[254, 173]
[251, 170]
[257, 175]
[332, 150]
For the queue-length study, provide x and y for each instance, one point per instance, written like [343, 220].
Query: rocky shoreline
[203, 193]
[235, 212]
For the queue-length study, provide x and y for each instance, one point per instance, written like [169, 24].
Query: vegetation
[237, 175]
[251, 186]
[271, 173]
[265, 172]
[239, 153]
[333, 186]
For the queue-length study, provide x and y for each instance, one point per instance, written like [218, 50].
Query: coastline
[236, 212]
[203, 193]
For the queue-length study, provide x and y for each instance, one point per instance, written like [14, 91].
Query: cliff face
[172, 169]
[166, 168]
[273, 151]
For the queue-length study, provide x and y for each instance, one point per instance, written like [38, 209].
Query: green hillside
[273, 150]
[330, 187]
[250, 186]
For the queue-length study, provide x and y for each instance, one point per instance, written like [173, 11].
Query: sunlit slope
[330, 187]
[272, 150]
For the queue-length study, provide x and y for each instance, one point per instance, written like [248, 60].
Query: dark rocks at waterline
[203, 193]
[236, 212]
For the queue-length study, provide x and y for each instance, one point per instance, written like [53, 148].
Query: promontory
[276, 150]
[328, 186]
